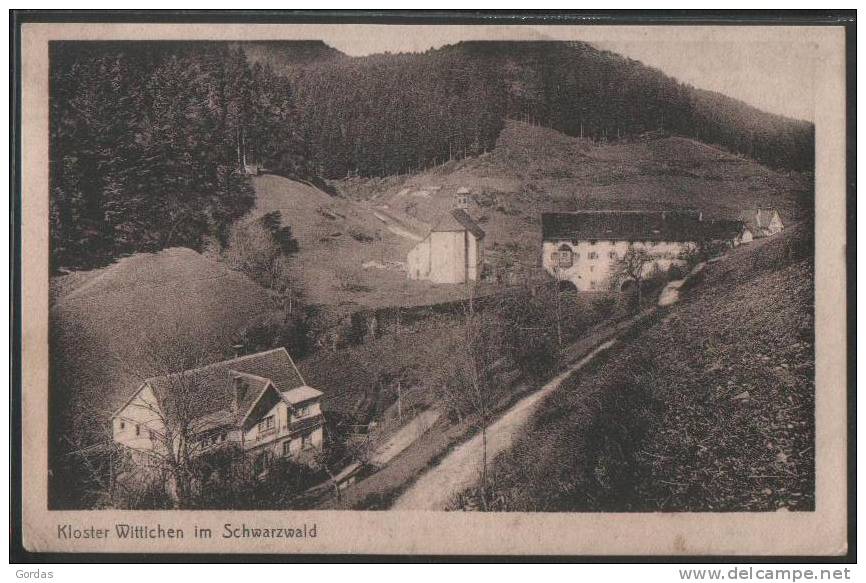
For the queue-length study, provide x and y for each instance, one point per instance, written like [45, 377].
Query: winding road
[461, 468]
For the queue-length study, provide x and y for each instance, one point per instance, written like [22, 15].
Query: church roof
[457, 220]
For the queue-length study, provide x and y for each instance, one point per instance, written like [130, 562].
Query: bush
[229, 479]
[530, 331]
[605, 306]
[291, 331]
[677, 272]
[260, 249]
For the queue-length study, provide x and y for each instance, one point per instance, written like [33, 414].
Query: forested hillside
[146, 142]
[582, 91]
[147, 139]
[394, 114]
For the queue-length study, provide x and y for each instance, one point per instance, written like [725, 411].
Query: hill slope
[286, 57]
[350, 251]
[103, 320]
[451, 102]
[534, 169]
[709, 409]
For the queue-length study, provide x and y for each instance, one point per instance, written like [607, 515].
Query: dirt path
[404, 437]
[461, 468]
[395, 225]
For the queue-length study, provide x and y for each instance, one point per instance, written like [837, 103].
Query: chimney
[239, 386]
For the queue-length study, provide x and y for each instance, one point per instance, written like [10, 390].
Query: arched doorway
[628, 285]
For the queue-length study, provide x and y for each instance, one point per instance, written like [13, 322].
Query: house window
[287, 447]
[565, 257]
[137, 430]
[593, 255]
[122, 425]
[303, 411]
[612, 254]
[593, 284]
[307, 441]
[266, 424]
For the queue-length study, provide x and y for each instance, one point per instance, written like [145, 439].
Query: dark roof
[254, 387]
[213, 385]
[722, 229]
[458, 220]
[623, 225]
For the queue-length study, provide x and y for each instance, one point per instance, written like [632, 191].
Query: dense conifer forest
[148, 140]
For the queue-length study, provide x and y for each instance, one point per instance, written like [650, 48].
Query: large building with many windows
[584, 248]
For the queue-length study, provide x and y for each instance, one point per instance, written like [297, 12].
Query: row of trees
[147, 139]
[146, 143]
[585, 92]
[395, 114]
[528, 332]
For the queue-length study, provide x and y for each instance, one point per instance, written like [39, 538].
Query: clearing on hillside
[351, 255]
[535, 169]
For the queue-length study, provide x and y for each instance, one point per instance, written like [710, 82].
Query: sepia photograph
[440, 273]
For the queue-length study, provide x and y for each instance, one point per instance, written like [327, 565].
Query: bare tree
[557, 273]
[470, 383]
[261, 250]
[633, 265]
[170, 413]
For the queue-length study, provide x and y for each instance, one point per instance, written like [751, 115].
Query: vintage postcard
[417, 289]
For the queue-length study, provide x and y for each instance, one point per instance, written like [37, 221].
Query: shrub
[291, 331]
[605, 306]
[529, 331]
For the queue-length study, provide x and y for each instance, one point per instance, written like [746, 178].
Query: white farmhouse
[761, 222]
[258, 402]
[453, 251]
[585, 247]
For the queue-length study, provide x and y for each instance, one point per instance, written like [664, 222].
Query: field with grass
[349, 258]
[710, 408]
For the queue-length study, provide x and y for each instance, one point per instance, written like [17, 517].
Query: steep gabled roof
[623, 225]
[255, 386]
[211, 387]
[457, 220]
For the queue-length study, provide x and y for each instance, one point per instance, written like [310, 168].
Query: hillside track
[461, 468]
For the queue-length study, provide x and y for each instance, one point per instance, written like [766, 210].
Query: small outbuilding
[761, 222]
